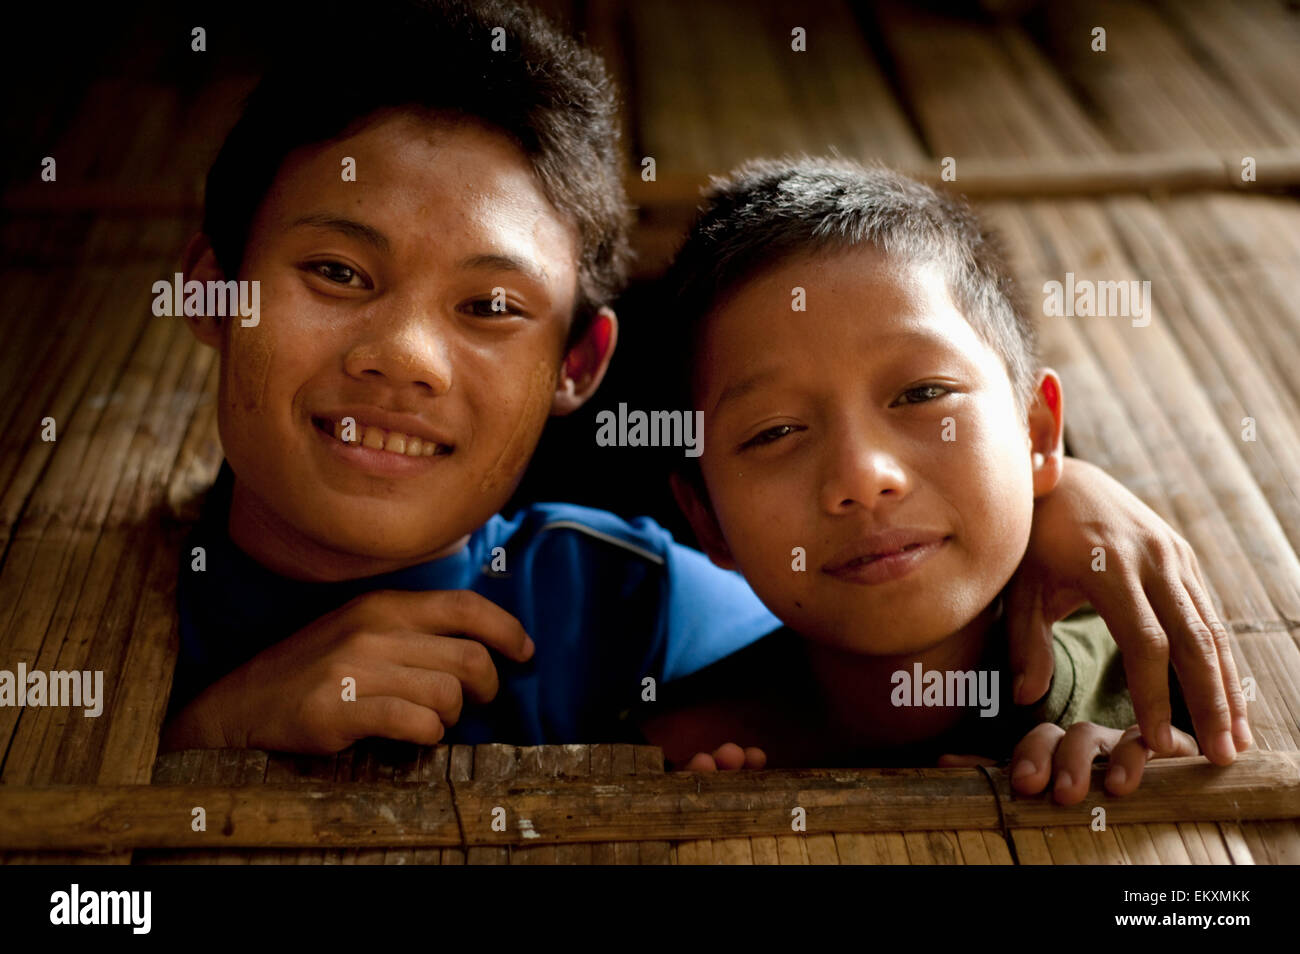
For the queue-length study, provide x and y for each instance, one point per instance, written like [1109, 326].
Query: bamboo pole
[1261, 785]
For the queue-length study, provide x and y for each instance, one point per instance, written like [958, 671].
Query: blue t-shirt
[606, 601]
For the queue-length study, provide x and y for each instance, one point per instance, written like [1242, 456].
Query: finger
[700, 762]
[729, 757]
[453, 613]
[1072, 764]
[1130, 755]
[1145, 652]
[1241, 734]
[1196, 661]
[964, 761]
[439, 691]
[1031, 760]
[466, 660]
[755, 758]
[1029, 637]
[389, 717]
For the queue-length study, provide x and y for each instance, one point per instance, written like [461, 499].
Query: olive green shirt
[1088, 685]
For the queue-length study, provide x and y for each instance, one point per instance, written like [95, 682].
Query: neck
[857, 690]
[280, 547]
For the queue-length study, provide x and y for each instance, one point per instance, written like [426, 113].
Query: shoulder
[561, 524]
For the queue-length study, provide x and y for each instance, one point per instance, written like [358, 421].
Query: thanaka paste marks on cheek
[249, 354]
[526, 430]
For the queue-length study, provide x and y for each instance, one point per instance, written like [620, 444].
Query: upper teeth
[376, 438]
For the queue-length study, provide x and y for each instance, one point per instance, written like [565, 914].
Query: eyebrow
[499, 262]
[485, 261]
[349, 227]
[756, 380]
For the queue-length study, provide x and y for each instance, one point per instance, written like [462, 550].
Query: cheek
[527, 417]
[995, 486]
[248, 357]
[763, 521]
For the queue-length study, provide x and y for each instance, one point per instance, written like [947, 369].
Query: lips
[377, 429]
[878, 546]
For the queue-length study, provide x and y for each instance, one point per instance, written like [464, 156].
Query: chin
[894, 632]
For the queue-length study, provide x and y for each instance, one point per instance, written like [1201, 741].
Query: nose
[861, 470]
[404, 344]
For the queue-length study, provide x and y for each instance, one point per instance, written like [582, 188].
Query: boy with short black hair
[429, 195]
[872, 456]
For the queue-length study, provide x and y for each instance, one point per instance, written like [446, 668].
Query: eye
[482, 308]
[922, 394]
[338, 274]
[771, 435]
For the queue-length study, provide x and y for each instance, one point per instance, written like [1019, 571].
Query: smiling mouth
[380, 439]
[872, 558]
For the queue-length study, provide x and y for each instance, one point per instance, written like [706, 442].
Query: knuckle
[475, 660]
[1151, 644]
[460, 602]
[447, 697]
[370, 605]
[390, 712]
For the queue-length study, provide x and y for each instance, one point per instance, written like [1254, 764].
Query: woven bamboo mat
[88, 523]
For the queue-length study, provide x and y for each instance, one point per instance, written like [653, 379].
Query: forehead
[430, 182]
[854, 301]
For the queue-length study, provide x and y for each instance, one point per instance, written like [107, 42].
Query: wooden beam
[529, 811]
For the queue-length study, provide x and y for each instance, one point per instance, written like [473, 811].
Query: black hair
[767, 211]
[545, 90]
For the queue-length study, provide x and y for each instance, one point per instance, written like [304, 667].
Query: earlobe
[585, 363]
[700, 516]
[1046, 432]
[199, 263]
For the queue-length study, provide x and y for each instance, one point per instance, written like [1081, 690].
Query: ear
[585, 363]
[1046, 429]
[700, 516]
[199, 263]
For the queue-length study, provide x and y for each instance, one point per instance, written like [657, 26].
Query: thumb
[1029, 639]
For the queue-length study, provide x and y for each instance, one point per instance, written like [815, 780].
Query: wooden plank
[979, 92]
[999, 851]
[574, 762]
[764, 850]
[460, 766]
[1149, 86]
[494, 763]
[649, 761]
[821, 849]
[533, 763]
[1274, 843]
[972, 848]
[932, 848]
[1031, 846]
[578, 811]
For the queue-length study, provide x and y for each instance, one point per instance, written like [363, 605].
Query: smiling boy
[871, 465]
[420, 321]
[437, 226]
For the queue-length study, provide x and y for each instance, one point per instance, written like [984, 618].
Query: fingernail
[1117, 776]
[1063, 781]
[529, 646]
[1227, 748]
[1015, 688]
[1022, 768]
[1165, 737]
[1241, 732]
